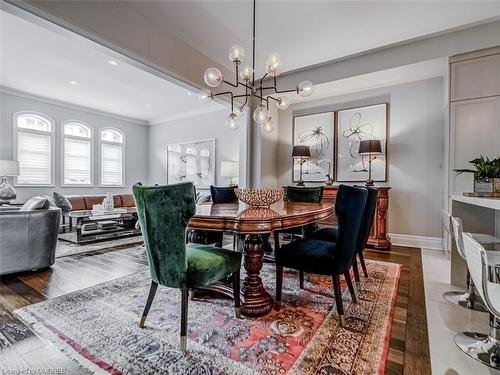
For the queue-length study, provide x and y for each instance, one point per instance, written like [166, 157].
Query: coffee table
[86, 216]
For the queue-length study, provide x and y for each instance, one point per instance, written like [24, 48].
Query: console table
[378, 236]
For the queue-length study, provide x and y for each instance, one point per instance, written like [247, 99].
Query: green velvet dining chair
[164, 213]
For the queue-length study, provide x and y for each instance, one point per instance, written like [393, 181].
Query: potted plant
[486, 174]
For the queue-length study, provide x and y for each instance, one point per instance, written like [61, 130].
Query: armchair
[29, 239]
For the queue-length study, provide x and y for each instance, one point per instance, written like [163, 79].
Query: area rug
[98, 328]
[65, 248]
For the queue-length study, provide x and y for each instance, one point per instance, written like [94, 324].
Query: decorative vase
[7, 192]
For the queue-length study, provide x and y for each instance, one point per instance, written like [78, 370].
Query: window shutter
[77, 162]
[111, 164]
[34, 158]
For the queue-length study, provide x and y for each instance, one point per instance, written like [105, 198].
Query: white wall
[204, 126]
[135, 143]
[415, 150]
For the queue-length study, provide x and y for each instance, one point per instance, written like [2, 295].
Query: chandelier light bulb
[268, 125]
[282, 103]
[260, 114]
[240, 110]
[236, 54]
[232, 121]
[274, 65]
[246, 73]
[213, 77]
[305, 88]
[205, 96]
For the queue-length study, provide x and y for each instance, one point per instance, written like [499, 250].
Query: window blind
[33, 154]
[77, 162]
[111, 164]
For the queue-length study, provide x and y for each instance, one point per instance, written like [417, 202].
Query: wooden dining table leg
[257, 301]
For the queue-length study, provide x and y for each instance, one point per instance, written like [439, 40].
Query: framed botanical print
[192, 161]
[317, 132]
[353, 126]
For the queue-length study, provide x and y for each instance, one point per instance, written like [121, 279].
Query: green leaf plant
[484, 168]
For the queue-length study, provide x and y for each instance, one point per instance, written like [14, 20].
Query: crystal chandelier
[245, 77]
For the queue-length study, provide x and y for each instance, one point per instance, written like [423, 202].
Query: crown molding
[186, 114]
[23, 94]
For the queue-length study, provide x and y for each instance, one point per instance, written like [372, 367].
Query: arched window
[77, 154]
[112, 154]
[33, 135]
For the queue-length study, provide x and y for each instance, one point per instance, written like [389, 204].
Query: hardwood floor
[20, 348]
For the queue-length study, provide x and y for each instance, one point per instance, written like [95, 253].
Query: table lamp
[370, 148]
[302, 153]
[7, 192]
[230, 169]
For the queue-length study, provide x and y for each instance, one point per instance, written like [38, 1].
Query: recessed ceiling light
[189, 93]
[148, 105]
[74, 83]
[112, 62]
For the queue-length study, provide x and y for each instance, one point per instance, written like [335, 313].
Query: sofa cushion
[62, 202]
[90, 200]
[77, 202]
[117, 200]
[36, 203]
[128, 200]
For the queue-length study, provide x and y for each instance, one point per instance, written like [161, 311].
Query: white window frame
[16, 132]
[91, 140]
[101, 142]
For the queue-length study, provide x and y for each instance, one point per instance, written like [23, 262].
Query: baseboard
[432, 243]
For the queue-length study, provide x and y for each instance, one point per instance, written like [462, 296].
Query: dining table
[251, 225]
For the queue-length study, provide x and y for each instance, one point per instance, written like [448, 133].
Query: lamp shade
[9, 168]
[370, 146]
[229, 168]
[303, 152]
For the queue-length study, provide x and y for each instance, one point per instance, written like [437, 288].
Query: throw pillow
[51, 200]
[62, 202]
[35, 203]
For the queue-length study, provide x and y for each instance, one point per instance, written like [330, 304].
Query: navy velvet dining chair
[325, 257]
[331, 233]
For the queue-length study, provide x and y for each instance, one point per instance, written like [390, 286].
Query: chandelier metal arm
[283, 91]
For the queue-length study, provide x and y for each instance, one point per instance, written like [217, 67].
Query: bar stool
[483, 348]
[469, 299]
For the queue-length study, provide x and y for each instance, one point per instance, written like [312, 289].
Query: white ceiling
[41, 62]
[308, 32]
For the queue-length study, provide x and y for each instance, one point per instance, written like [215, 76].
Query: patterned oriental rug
[98, 328]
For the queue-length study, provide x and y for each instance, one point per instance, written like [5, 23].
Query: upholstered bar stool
[483, 348]
[469, 299]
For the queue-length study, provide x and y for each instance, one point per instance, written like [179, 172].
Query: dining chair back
[164, 212]
[223, 194]
[350, 210]
[368, 217]
[303, 194]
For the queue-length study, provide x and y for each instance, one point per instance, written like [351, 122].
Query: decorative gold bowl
[259, 197]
